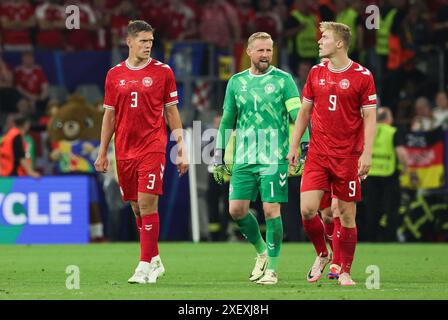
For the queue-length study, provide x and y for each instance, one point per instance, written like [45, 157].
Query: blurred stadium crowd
[408, 56]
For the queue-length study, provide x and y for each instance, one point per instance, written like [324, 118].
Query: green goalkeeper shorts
[270, 179]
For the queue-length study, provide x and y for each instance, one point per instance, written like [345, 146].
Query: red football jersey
[50, 38]
[139, 95]
[30, 79]
[337, 128]
[16, 12]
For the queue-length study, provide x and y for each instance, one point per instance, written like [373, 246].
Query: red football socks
[149, 236]
[329, 227]
[347, 245]
[314, 229]
[336, 240]
[138, 221]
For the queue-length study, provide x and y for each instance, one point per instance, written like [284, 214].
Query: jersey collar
[341, 69]
[261, 75]
[139, 67]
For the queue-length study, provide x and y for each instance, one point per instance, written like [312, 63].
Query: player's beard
[262, 66]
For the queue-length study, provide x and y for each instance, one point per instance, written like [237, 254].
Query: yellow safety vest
[306, 42]
[382, 34]
[384, 158]
[348, 17]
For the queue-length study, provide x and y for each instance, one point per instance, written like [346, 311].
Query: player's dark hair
[20, 120]
[136, 26]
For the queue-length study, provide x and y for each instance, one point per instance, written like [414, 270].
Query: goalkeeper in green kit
[257, 104]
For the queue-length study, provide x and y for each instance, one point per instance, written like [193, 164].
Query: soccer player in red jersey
[139, 93]
[340, 98]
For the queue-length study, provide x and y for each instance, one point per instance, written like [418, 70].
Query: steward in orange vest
[13, 160]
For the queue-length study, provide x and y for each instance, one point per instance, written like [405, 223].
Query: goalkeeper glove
[219, 167]
[296, 170]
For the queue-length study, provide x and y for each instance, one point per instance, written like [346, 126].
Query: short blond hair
[341, 31]
[258, 35]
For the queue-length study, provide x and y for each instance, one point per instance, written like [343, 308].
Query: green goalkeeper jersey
[261, 104]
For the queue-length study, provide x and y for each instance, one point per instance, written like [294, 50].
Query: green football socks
[274, 238]
[251, 231]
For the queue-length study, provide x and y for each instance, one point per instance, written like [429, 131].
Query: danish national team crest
[147, 81]
[344, 84]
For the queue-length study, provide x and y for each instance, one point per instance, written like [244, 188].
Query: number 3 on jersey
[134, 99]
[333, 102]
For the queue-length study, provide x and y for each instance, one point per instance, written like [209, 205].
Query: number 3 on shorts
[151, 180]
[352, 186]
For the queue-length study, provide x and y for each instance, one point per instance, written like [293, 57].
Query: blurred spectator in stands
[441, 25]
[423, 117]
[347, 12]
[300, 30]
[327, 11]
[246, 14]
[302, 73]
[25, 108]
[103, 33]
[223, 29]
[15, 157]
[441, 110]
[17, 20]
[51, 109]
[182, 24]
[391, 19]
[441, 30]
[157, 14]
[8, 95]
[268, 20]
[418, 26]
[31, 82]
[119, 21]
[84, 37]
[382, 186]
[51, 22]
[281, 8]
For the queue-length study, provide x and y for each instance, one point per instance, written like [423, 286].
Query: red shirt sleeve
[110, 97]
[42, 76]
[307, 93]
[170, 97]
[368, 94]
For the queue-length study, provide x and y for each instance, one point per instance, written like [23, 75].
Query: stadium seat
[58, 93]
[90, 92]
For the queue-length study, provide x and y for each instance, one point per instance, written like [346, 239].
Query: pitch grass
[217, 271]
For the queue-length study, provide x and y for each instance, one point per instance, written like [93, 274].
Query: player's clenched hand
[101, 163]
[181, 162]
[182, 166]
[293, 157]
[364, 164]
